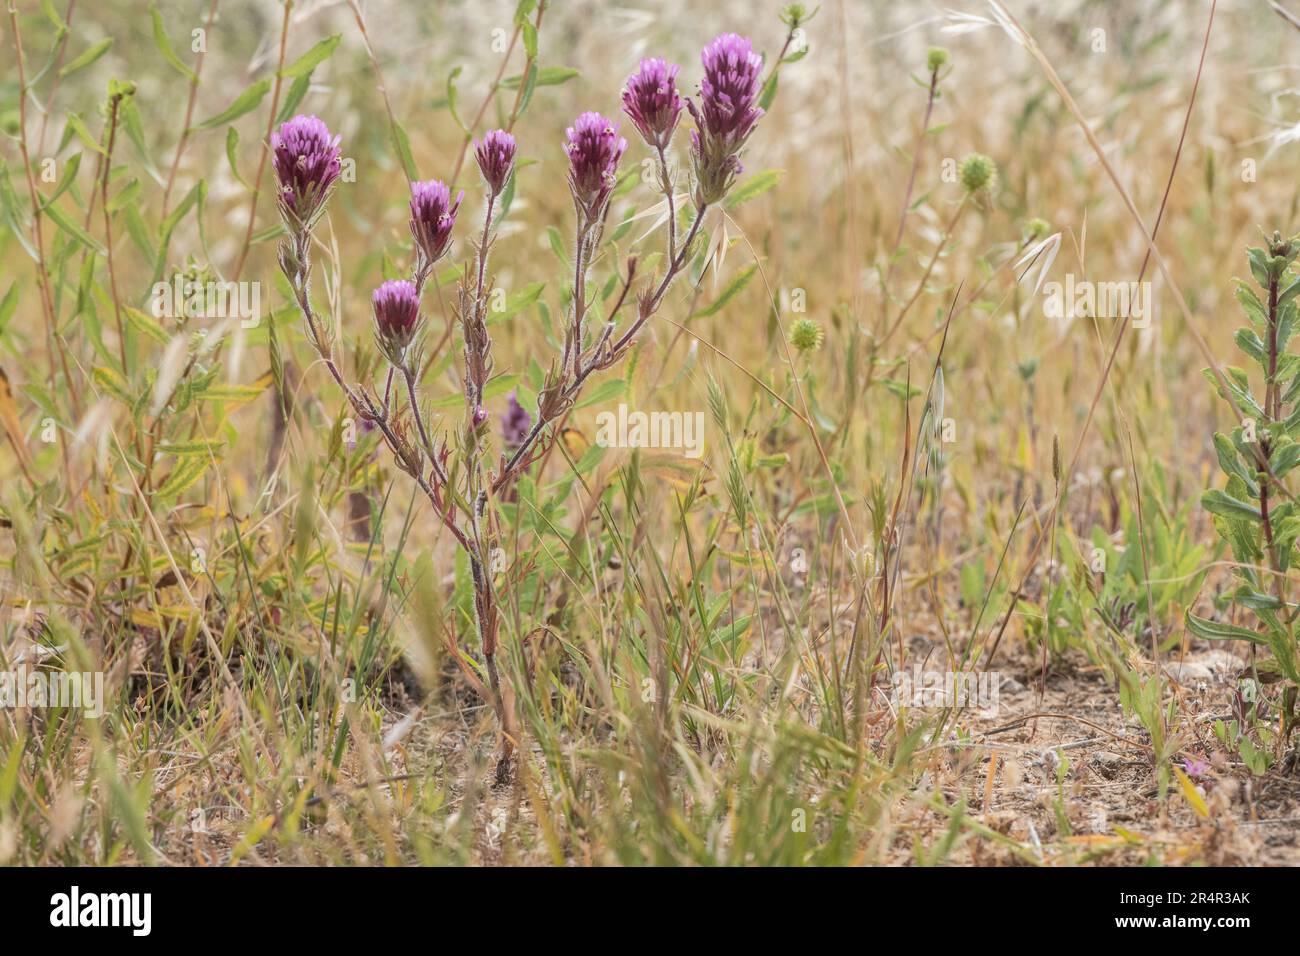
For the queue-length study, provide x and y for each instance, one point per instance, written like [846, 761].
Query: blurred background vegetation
[695, 646]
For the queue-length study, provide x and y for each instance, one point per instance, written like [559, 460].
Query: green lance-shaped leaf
[246, 102]
[1250, 343]
[551, 76]
[732, 290]
[1220, 503]
[165, 46]
[87, 58]
[753, 186]
[293, 99]
[1284, 458]
[1240, 395]
[1250, 303]
[312, 58]
[62, 220]
[1231, 463]
[1221, 631]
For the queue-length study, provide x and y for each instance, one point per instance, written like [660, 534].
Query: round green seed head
[805, 334]
[978, 173]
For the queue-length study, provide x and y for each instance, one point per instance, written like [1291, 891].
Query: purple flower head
[1195, 767]
[307, 164]
[727, 113]
[432, 216]
[515, 423]
[651, 100]
[397, 314]
[594, 149]
[729, 90]
[496, 158]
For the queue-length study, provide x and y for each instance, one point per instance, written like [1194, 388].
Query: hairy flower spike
[594, 149]
[652, 102]
[727, 113]
[397, 316]
[307, 164]
[495, 154]
[433, 215]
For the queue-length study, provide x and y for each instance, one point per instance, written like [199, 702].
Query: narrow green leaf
[766, 97]
[755, 185]
[604, 392]
[165, 46]
[7, 305]
[126, 196]
[60, 218]
[312, 58]
[231, 393]
[403, 145]
[1219, 631]
[733, 289]
[77, 126]
[187, 471]
[497, 386]
[87, 58]
[111, 381]
[189, 449]
[246, 102]
[232, 149]
[67, 178]
[293, 98]
[1223, 504]
[148, 325]
[516, 303]
[551, 76]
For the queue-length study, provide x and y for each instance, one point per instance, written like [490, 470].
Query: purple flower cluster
[727, 113]
[515, 423]
[307, 164]
[652, 102]
[397, 314]
[433, 215]
[594, 149]
[496, 158]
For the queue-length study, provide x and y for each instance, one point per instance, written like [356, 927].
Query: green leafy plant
[1256, 513]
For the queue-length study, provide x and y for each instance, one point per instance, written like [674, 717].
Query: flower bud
[397, 315]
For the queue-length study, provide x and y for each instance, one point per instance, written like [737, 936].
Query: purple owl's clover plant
[307, 164]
